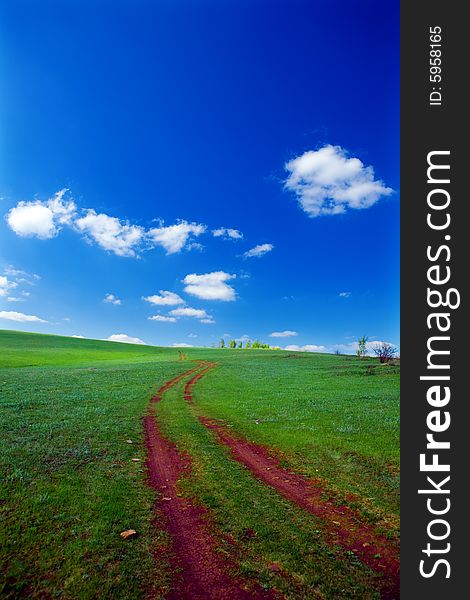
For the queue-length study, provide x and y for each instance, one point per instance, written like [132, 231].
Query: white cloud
[6, 285]
[192, 335]
[45, 219]
[227, 233]
[11, 315]
[32, 219]
[174, 237]
[111, 299]
[41, 219]
[328, 182]
[351, 347]
[13, 279]
[165, 299]
[283, 334]
[197, 313]
[344, 294]
[371, 346]
[306, 348]
[63, 211]
[162, 319]
[80, 337]
[208, 321]
[182, 345]
[258, 250]
[10, 270]
[108, 232]
[244, 338]
[194, 246]
[126, 339]
[210, 286]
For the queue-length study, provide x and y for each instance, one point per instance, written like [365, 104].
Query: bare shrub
[385, 352]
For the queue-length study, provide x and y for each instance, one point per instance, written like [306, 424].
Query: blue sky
[236, 158]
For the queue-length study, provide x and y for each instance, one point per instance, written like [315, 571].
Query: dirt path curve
[200, 571]
[344, 526]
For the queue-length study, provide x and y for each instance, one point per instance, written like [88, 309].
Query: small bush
[385, 352]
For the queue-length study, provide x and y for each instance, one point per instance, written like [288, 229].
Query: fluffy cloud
[328, 182]
[80, 337]
[164, 299]
[210, 286]
[283, 334]
[182, 345]
[258, 250]
[306, 348]
[41, 219]
[226, 233]
[44, 220]
[11, 315]
[162, 319]
[174, 237]
[344, 294]
[111, 299]
[208, 321]
[126, 339]
[110, 233]
[197, 313]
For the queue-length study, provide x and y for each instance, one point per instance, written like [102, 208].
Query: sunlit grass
[69, 485]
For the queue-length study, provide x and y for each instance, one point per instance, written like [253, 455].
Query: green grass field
[69, 485]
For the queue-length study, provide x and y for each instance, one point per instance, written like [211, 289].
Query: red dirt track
[343, 525]
[202, 572]
[195, 379]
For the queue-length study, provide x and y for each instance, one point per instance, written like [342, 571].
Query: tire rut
[343, 525]
[200, 572]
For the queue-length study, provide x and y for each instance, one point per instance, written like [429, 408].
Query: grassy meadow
[69, 409]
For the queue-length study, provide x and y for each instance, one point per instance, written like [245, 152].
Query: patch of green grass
[270, 530]
[18, 349]
[325, 413]
[69, 486]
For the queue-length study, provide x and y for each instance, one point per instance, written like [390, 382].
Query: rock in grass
[129, 533]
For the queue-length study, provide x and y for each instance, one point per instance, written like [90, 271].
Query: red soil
[344, 526]
[171, 383]
[200, 571]
[195, 379]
